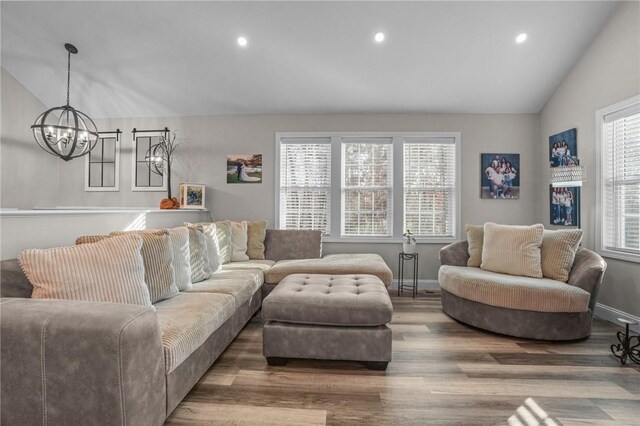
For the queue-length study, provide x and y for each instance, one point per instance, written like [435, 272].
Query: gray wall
[608, 72]
[206, 141]
[29, 175]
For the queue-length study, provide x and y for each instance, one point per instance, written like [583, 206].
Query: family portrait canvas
[244, 168]
[500, 178]
[563, 148]
[564, 205]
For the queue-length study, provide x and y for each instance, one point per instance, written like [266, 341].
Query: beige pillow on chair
[558, 251]
[513, 250]
[475, 237]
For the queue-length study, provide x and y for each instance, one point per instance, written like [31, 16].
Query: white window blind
[367, 176]
[305, 184]
[430, 187]
[620, 196]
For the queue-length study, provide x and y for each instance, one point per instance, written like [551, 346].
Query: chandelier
[64, 131]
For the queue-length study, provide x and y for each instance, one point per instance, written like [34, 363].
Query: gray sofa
[532, 308]
[71, 362]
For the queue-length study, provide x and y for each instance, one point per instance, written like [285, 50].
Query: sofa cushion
[475, 237]
[241, 284]
[239, 241]
[283, 244]
[558, 251]
[13, 281]
[508, 291]
[256, 233]
[223, 231]
[345, 300]
[512, 249]
[198, 256]
[187, 320]
[334, 264]
[261, 265]
[111, 270]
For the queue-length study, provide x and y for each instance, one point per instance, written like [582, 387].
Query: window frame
[600, 174]
[397, 188]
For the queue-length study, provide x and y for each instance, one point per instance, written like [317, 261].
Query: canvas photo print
[500, 178]
[244, 168]
[564, 205]
[192, 196]
[563, 148]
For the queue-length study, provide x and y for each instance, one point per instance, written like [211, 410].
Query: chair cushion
[345, 300]
[475, 237]
[558, 251]
[334, 264]
[513, 250]
[241, 284]
[513, 292]
[187, 320]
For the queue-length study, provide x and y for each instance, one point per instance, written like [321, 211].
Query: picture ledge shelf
[43, 211]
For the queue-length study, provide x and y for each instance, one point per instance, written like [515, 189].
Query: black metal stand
[414, 283]
[626, 348]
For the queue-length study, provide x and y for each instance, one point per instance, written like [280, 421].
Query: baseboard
[610, 314]
[422, 284]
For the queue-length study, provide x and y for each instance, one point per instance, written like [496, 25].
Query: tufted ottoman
[338, 317]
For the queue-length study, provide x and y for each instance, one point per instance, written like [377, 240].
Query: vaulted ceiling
[182, 58]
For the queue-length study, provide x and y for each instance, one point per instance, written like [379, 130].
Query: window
[145, 176]
[369, 186]
[102, 164]
[618, 129]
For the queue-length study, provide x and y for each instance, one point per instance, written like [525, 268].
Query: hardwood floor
[443, 372]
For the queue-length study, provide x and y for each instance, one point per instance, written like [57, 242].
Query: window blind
[305, 184]
[621, 181]
[367, 176]
[430, 187]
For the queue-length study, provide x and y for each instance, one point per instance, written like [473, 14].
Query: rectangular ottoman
[335, 317]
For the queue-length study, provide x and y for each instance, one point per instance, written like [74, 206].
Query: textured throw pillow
[223, 231]
[238, 241]
[111, 270]
[213, 248]
[558, 251]
[199, 260]
[256, 233]
[87, 239]
[179, 238]
[475, 237]
[513, 250]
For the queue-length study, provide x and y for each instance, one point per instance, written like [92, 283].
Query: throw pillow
[238, 241]
[213, 248]
[223, 231]
[256, 233]
[111, 270]
[86, 239]
[475, 237]
[198, 255]
[558, 251]
[513, 250]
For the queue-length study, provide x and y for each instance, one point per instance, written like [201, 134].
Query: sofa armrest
[587, 273]
[90, 363]
[283, 244]
[455, 254]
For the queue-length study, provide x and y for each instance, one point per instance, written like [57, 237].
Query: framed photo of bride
[244, 168]
[191, 196]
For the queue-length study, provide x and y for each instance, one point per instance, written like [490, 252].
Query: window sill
[628, 257]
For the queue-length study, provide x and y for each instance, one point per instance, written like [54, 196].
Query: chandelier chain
[68, 74]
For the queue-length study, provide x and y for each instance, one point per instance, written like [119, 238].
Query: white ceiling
[181, 58]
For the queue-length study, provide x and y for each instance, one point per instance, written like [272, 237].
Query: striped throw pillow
[198, 257]
[256, 233]
[558, 251]
[223, 230]
[475, 237]
[87, 239]
[111, 270]
[211, 239]
[239, 241]
[513, 250]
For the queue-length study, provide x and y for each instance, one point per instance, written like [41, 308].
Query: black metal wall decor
[64, 131]
[149, 173]
[103, 163]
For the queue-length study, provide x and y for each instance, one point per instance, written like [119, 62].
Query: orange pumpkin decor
[169, 203]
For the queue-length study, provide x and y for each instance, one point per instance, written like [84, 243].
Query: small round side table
[414, 282]
[626, 348]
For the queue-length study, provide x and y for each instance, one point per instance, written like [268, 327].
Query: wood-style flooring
[443, 372]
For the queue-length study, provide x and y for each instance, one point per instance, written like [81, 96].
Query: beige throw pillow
[199, 258]
[111, 270]
[211, 238]
[86, 239]
[223, 231]
[475, 238]
[558, 251]
[256, 233]
[513, 250]
[238, 241]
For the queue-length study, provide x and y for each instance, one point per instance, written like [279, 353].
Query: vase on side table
[409, 248]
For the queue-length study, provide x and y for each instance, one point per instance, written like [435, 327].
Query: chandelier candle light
[64, 131]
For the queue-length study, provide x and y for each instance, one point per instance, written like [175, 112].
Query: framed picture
[564, 205]
[500, 176]
[191, 196]
[244, 168]
[563, 148]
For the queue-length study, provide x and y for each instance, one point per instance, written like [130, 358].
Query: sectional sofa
[76, 362]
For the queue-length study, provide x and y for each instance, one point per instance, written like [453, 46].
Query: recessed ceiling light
[242, 41]
[521, 38]
[379, 37]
